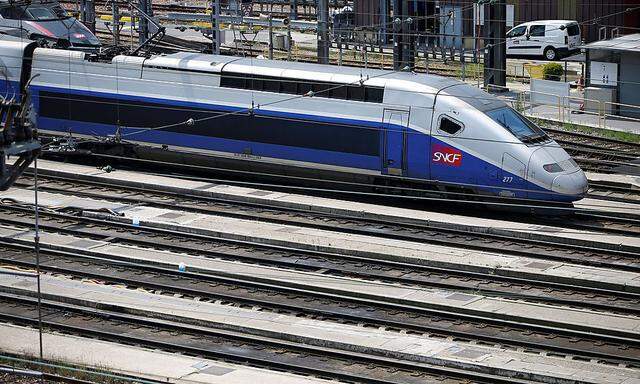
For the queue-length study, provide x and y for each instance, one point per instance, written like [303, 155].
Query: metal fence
[571, 110]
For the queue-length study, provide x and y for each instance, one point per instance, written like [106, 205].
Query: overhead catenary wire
[247, 110]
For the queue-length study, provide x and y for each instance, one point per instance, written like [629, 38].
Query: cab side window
[536, 31]
[518, 31]
[449, 126]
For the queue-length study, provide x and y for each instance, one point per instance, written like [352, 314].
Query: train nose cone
[571, 184]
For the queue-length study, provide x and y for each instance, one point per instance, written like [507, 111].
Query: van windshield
[518, 125]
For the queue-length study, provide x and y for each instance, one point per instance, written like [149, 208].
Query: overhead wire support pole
[408, 40]
[403, 36]
[289, 41]
[270, 36]
[293, 11]
[495, 56]
[88, 14]
[143, 23]
[115, 25]
[397, 35]
[384, 19]
[36, 242]
[323, 31]
[215, 27]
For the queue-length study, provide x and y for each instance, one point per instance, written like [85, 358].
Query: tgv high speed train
[334, 123]
[45, 20]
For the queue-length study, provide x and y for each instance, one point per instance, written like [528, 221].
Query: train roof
[428, 85]
[304, 71]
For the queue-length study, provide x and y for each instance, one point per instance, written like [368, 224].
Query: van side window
[449, 126]
[517, 31]
[536, 30]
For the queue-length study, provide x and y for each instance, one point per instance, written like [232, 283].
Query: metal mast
[88, 14]
[115, 25]
[215, 27]
[143, 23]
[323, 31]
[403, 36]
[495, 55]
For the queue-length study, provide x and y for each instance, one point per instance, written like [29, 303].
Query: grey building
[613, 68]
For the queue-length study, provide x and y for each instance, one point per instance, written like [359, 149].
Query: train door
[513, 175]
[395, 122]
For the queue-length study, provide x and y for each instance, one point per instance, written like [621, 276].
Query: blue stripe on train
[10, 89]
[472, 172]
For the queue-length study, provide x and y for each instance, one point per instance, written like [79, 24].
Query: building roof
[622, 43]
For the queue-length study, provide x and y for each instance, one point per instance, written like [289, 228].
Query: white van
[551, 39]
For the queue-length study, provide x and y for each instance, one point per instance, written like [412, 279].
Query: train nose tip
[571, 184]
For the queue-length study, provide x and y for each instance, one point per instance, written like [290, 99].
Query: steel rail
[381, 227]
[282, 298]
[237, 346]
[487, 283]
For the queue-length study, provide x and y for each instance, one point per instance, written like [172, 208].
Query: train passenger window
[232, 81]
[355, 92]
[304, 88]
[339, 92]
[271, 85]
[449, 126]
[255, 83]
[322, 89]
[373, 94]
[289, 86]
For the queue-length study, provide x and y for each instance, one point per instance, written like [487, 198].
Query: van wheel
[550, 53]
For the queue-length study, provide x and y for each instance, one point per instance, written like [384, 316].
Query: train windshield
[41, 13]
[518, 125]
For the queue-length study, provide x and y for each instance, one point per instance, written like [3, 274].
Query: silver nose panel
[572, 184]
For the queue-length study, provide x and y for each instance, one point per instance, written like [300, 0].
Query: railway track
[485, 282]
[595, 153]
[279, 297]
[611, 146]
[611, 222]
[237, 347]
[607, 191]
[10, 374]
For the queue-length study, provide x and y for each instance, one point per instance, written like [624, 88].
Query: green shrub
[552, 71]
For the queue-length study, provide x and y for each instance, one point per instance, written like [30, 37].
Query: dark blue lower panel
[241, 148]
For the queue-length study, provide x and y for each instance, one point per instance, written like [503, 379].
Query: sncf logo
[446, 155]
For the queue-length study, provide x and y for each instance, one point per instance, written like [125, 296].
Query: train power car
[421, 132]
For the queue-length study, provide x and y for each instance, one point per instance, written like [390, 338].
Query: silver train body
[388, 127]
